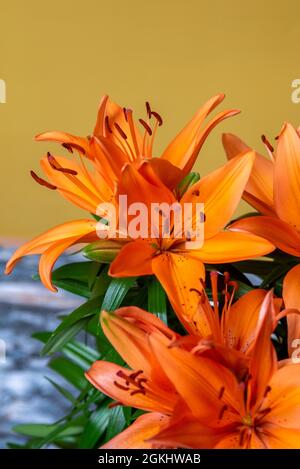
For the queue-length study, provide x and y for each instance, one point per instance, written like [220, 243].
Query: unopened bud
[103, 251]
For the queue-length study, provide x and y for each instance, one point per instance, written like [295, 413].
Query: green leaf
[88, 309]
[116, 292]
[93, 274]
[71, 372]
[75, 270]
[57, 431]
[81, 354]
[116, 422]
[64, 392]
[71, 325]
[57, 340]
[157, 299]
[75, 277]
[186, 183]
[73, 286]
[95, 427]
[41, 430]
[101, 283]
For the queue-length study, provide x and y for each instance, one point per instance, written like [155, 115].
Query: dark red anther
[148, 109]
[121, 131]
[41, 181]
[267, 143]
[157, 117]
[146, 126]
[135, 374]
[125, 113]
[120, 386]
[68, 147]
[141, 382]
[107, 125]
[55, 165]
[222, 411]
[221, 392]
[267, 390]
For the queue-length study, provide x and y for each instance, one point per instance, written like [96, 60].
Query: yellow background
[58, 57]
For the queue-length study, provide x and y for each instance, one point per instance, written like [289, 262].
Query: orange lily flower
[262, 411]
[202, 404]
[177, 267]
[116, 140]
[274, 189]
[144, 385]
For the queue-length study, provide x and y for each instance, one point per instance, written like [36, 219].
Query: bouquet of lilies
[188, 334]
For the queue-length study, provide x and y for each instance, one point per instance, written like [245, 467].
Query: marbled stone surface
[27, 307]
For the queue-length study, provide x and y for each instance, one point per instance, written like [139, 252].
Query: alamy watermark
[2, 92]
[295, 356]
[174, 221]
[295, 95]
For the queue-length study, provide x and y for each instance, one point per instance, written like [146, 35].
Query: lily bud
[103, 251]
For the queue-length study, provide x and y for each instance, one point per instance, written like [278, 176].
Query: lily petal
[221, 191]
[183, 150]
[51, 244]
[104, 376]
[260, 370]
[291, 297]
[169, 174]
[135, 258]
[132, 344]
[78, 143]
[240, 325]
[137, 436]
[187, 372]
[142, 185]
[229, 246]
[277, 437]
[278, 232]
[259, 189]
[188, 432]
[287, 176]
[180, 276]
[284, 397]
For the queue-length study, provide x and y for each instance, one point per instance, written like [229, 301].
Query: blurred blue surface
[27, 307]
